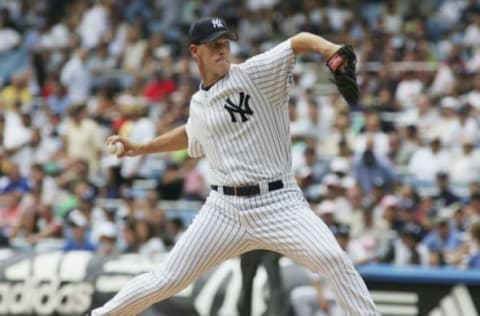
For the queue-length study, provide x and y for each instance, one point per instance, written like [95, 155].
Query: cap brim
[230, 35]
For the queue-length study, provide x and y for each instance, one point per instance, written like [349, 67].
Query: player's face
[213, 58]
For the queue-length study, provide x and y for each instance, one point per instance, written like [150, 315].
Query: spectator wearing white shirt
[372, 132]
[142, 130]
[335, 192]
[448, 127]
[341, 132]
[408, 250]
[472, 32]
[9, 37]
[473, 96]
[444, 81]
[423, 115]
[468, 125]
[75, 75]
[465, 168]
[94, 24]
[408, 89]
[17, 138]
[426, 162]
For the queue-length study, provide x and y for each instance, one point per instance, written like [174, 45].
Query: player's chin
[222, 66]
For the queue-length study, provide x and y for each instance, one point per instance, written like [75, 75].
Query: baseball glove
[342, 64]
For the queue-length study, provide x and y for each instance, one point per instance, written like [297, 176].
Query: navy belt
[248, 190]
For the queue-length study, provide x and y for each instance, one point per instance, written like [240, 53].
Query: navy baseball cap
[209, 29]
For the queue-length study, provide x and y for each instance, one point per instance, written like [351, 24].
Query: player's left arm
[307, 43]
[341, 60]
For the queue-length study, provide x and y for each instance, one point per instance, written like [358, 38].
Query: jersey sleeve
[271, 72]
[195, 148]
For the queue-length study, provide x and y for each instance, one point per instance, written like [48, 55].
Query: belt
[248, 190]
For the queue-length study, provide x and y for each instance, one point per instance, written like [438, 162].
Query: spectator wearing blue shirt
[78, 239]
[442, 240]
[14, 181]
[370, 167]
[59, 100]
[473, 261]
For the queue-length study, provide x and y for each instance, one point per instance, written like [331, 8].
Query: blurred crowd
[399, 172]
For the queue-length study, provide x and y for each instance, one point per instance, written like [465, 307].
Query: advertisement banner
[71, 283]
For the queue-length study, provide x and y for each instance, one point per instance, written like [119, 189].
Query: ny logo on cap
[217, 23]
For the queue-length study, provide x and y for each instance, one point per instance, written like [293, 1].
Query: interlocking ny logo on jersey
[242, 108]
[217, 23]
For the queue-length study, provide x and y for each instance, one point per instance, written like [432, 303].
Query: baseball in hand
[116, 148]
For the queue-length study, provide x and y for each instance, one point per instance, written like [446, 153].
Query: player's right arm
[173, 140]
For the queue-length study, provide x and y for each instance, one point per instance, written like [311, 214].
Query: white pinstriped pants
[227, 226]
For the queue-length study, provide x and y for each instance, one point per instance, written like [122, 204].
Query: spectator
[473, 261]
[9, 37]
[93, 24]
[82, 137]
[335, 192]
[465, 168]
[16, 92]
[423, 115]
[407, 249]
[15, 182]
[78, 239]
[133, 53]
[10, 212]
[17, 138]
[149, 244]
[442, 242]
[49, 226]
[467, 255]
[341, 133]
[107, 242]
[326, 211]
[473, 208]
[369, 167]
[159, 87]
[194, 187]
[101, 63]
[448, 126]
[426, 162]
[372, 133]
[76, 77]
[59, 100]
[141, 130]
[175, 228]
[408, 89]
[445, 196]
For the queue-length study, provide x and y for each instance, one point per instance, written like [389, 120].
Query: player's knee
[335, 259]
[166, 280]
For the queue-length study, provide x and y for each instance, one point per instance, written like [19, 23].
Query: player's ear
[193, 50]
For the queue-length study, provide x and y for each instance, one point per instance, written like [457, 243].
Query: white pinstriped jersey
[241, 123]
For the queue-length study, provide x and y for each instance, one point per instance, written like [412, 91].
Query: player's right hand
[130, 149]
[324, 305]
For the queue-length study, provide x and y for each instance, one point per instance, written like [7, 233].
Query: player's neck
[209, 78]
[207, 83]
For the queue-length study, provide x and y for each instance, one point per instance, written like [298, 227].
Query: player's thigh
[304, 237]
[214, 236]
